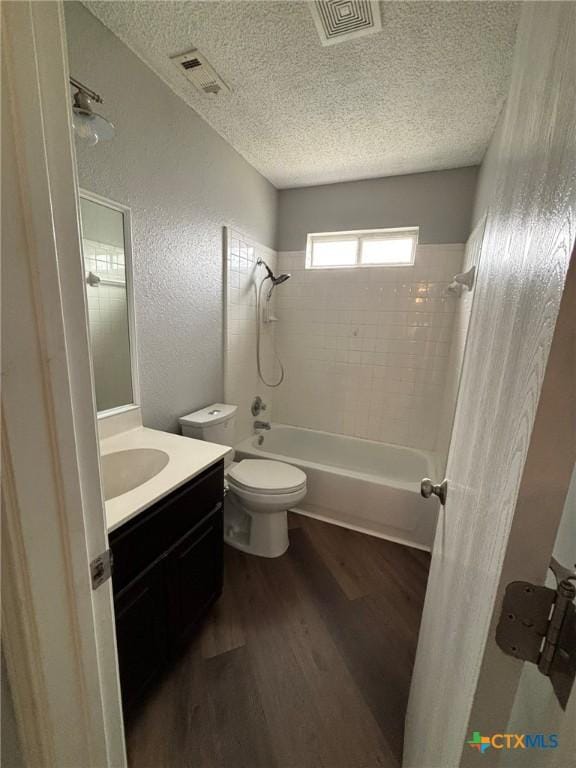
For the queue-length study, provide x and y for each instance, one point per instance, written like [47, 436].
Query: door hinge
[538, 624]
[101, 568]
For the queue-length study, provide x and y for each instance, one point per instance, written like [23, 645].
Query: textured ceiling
[424, 94]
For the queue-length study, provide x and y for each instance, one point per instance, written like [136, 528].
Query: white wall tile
[108, 320]
[366, 351]
[241, 382]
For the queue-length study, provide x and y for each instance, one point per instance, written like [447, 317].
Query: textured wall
[241, 382]
[183, 183]
[440, 203]
[366, 350]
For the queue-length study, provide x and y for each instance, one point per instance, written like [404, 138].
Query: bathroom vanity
[165, 537]
[167, 573]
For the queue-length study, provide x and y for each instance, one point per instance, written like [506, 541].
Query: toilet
[259, 492]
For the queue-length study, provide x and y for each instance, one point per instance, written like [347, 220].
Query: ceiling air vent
[195, 67]
[341, 20]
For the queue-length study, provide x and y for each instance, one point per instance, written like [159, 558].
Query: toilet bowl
[255, 509]
[259, 493]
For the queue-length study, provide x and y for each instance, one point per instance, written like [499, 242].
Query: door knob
[427, 489]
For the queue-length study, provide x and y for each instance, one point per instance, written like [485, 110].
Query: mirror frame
[130, 303]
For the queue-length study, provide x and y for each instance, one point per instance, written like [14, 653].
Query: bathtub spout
[262, 425]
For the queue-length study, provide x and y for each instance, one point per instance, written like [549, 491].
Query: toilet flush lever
[427, 489]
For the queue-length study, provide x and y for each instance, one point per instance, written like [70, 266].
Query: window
[368, 248]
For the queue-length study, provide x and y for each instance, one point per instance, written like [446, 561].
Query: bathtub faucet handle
[262, 425]
[257, 405]
[428, 489]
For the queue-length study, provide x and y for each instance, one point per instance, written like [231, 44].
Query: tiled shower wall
[107, 307]
[241, 382]
[366, 350]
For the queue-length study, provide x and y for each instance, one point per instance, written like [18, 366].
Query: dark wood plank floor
[304, 663]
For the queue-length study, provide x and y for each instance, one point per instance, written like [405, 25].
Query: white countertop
[188, 458]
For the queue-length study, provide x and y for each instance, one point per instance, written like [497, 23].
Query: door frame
[58, 633]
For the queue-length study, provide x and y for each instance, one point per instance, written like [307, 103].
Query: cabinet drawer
[142, 541]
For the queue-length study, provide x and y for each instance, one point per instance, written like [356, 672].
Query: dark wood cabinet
[193, 578]
[141, 632]
[167, 574]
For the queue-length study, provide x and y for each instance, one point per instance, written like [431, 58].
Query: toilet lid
[269, 476]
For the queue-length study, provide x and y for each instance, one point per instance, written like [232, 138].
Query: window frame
[360, 236]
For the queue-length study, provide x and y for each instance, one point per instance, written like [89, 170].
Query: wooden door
[513, 438]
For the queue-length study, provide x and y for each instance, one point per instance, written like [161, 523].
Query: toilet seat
[266, 477]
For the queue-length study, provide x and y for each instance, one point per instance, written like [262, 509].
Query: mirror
[106, 251]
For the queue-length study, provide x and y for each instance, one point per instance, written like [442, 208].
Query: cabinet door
[194, 577]
[145, 538]
[141, 632]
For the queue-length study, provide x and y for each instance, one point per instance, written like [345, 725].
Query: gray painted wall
[488, 174]
[440, 202]
[183, 184]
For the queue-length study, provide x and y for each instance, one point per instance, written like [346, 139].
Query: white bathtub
[364, 485]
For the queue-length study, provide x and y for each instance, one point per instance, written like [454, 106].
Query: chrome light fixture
[89, 126]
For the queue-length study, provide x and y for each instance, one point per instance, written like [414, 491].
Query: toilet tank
[215, 424]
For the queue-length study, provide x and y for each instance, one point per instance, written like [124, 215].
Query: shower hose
[259, 322]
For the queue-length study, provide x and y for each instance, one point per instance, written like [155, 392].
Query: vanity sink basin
[122, 471]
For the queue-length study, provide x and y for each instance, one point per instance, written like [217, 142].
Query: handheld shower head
[262, 263]
[275, 280]
[263, 316]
